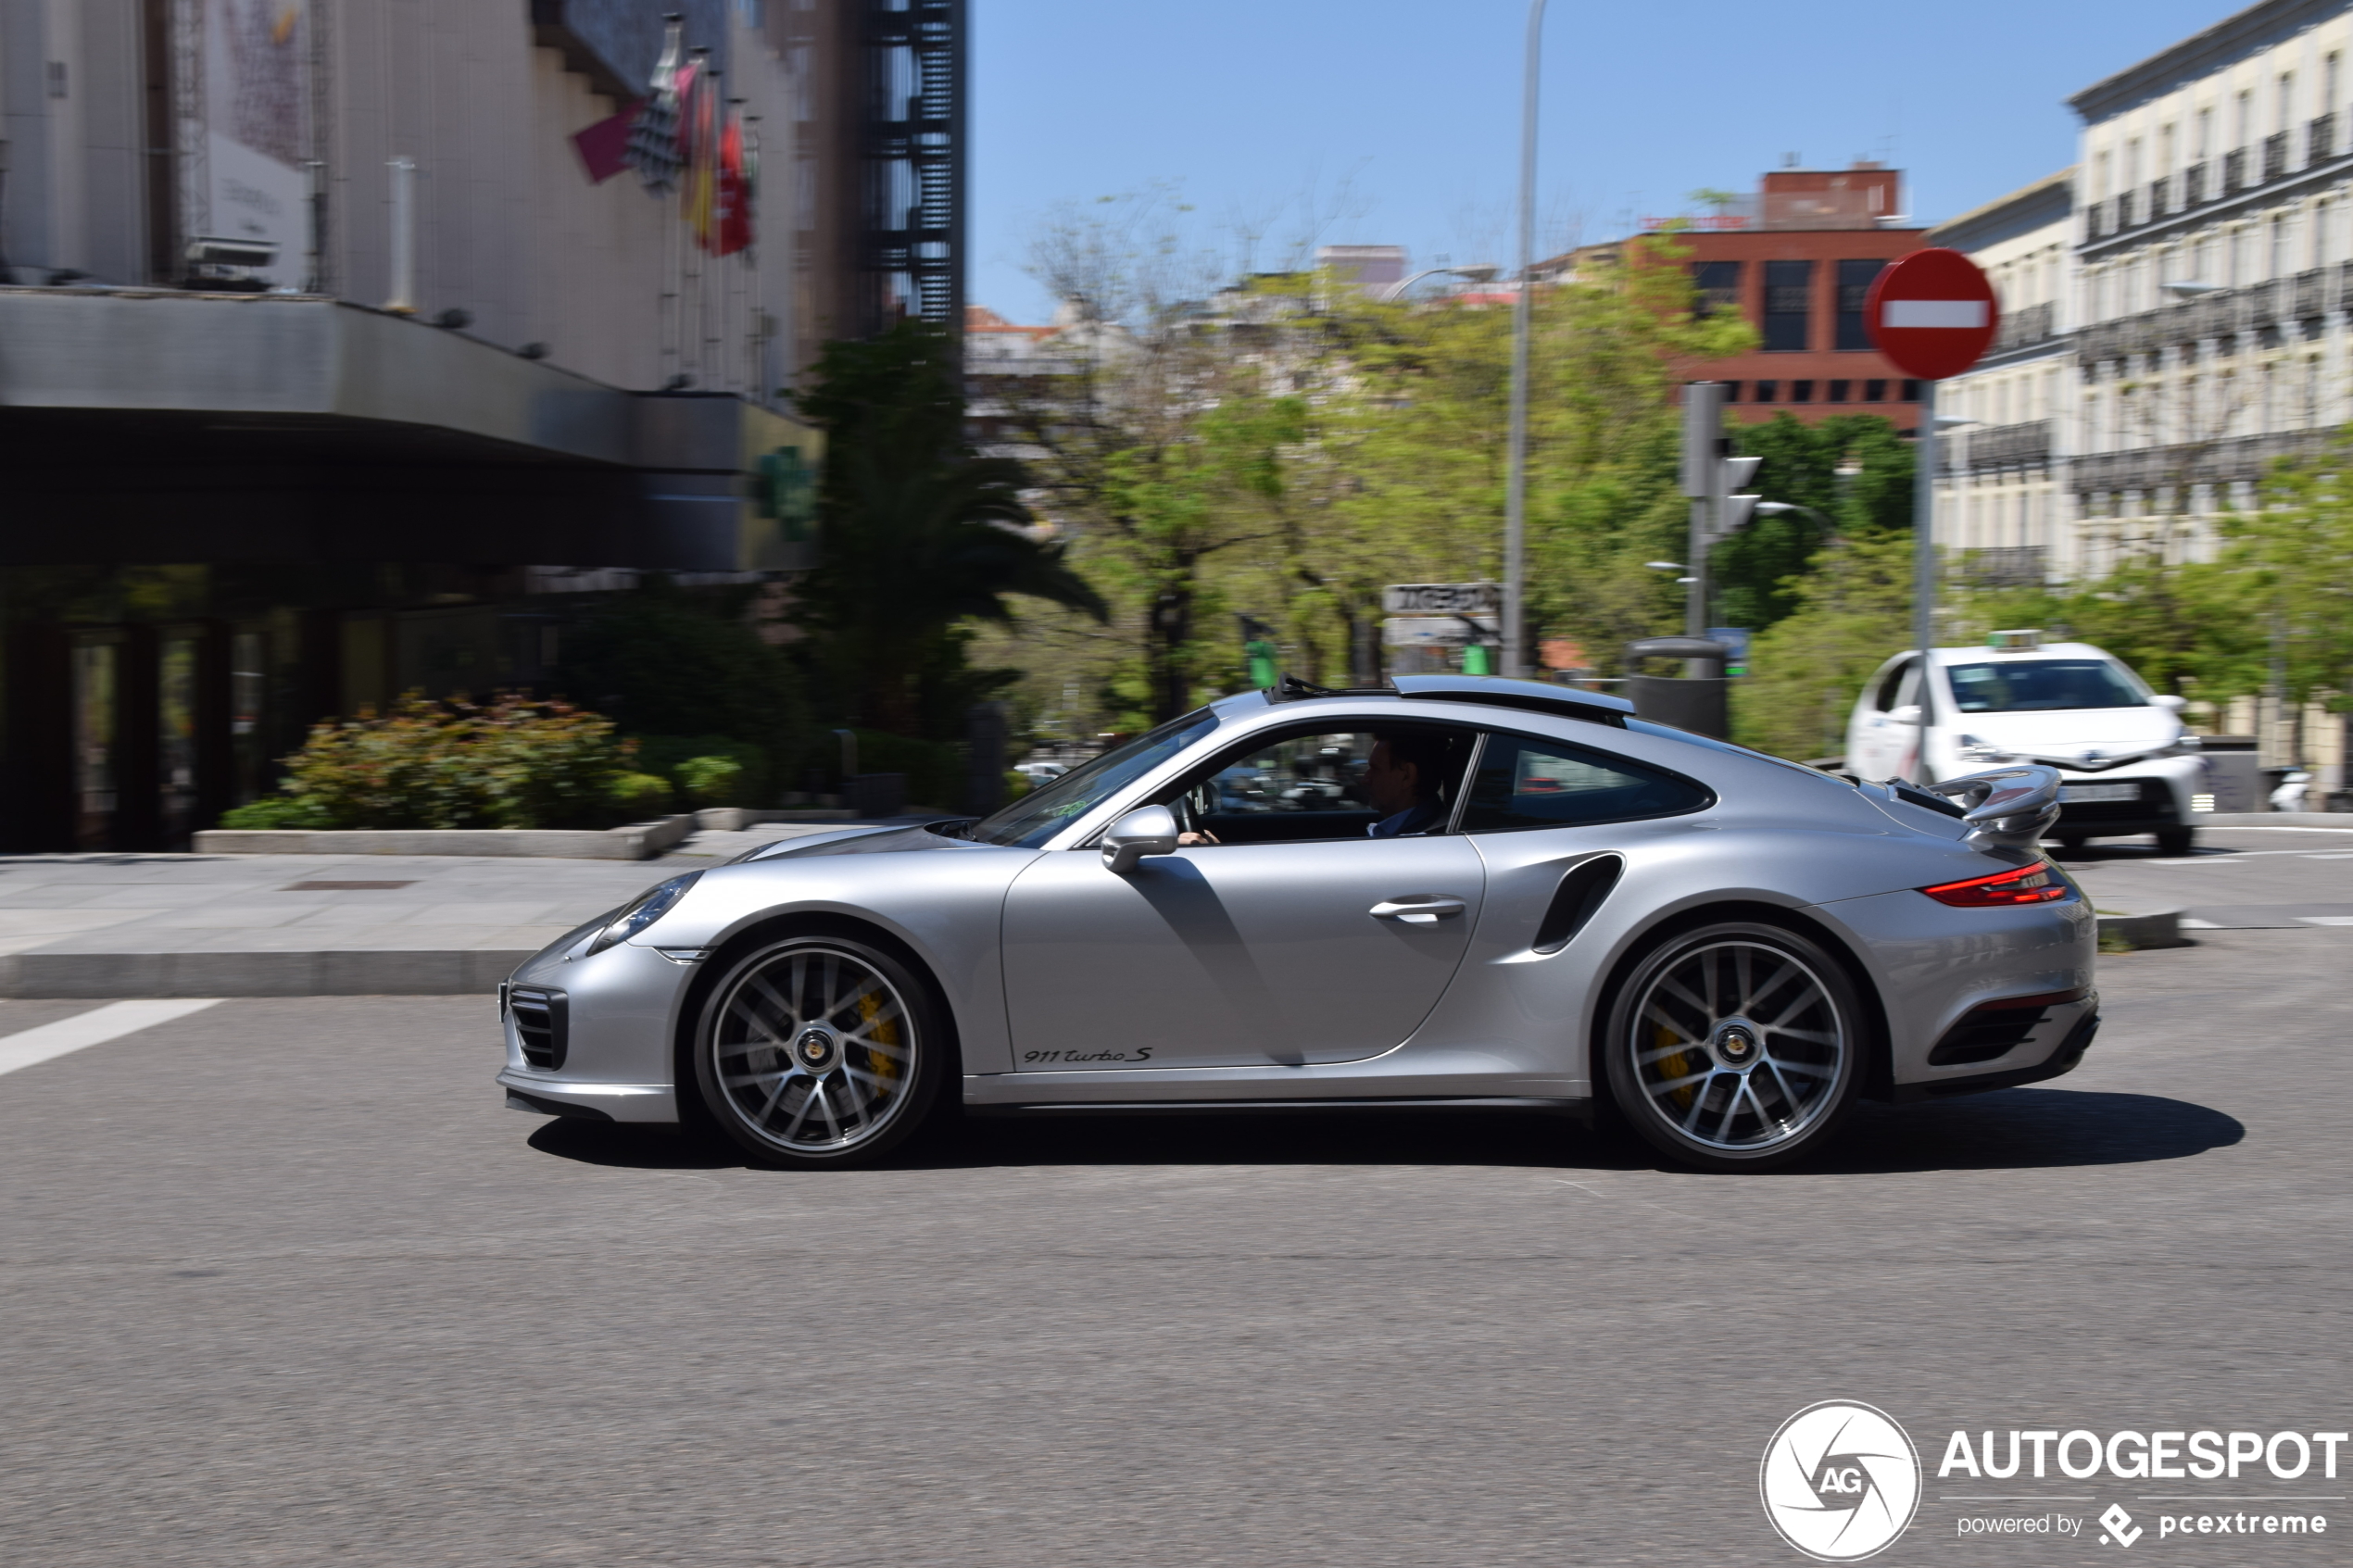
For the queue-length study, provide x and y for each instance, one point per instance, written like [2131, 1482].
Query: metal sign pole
[1924, 559]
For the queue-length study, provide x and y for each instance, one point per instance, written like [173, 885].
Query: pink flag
[604, 146]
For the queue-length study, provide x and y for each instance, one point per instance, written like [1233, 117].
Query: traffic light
[1713, 479]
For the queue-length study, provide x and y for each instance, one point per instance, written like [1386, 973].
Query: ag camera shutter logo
[1840, 1480]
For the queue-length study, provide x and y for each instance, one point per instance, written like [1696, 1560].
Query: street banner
[250, 130]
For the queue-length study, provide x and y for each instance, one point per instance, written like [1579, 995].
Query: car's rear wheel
[819, 1050]
[1736, 1046]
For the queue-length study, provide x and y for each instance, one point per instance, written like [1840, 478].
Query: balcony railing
[2274, 156]
[2259, 305]
[2094, 221]
[2234, 171]
[2237, 459]
[2029, 324]
[2006, 566]
[2003, 446]
[2312, 294]
[2124, 210]
[2319, 139]
[2160, 199]
[2194, 184]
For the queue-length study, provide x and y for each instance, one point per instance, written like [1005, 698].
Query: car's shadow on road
[2012, 1129]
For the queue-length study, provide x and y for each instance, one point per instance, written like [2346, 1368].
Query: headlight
[641, 912]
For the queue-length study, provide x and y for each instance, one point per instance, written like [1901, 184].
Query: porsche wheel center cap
[816, 1050]
[1735, 1043]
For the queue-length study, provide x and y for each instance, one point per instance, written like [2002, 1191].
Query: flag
[734, 190]
[653, 136]
[604, 146]
[699, 118]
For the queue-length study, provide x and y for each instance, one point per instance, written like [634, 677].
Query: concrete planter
[735, 818]
[2162, 928]
[638, 841]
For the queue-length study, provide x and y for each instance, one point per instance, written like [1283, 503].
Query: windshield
[1040, 814]
[2040, 686]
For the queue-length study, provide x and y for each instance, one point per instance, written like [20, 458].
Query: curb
[638, 841]
[347, 973]
[2162, 928]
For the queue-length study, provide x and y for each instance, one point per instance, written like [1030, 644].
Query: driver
[1400, 783]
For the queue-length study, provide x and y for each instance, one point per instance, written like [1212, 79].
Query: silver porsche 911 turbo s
[1450, 891]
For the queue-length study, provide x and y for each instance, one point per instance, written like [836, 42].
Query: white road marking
[2191, 923]
[2327, 920]
[92, 1028]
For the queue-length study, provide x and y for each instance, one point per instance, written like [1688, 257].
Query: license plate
[2087, 794]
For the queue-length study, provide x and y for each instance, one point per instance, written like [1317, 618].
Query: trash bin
[1689, 702]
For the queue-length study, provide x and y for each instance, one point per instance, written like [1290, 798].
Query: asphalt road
[283, 1283]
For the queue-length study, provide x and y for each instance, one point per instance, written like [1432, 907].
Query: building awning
[153, 426]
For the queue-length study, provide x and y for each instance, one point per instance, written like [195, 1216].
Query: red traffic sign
[1932, 312]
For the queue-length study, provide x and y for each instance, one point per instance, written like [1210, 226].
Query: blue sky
[1378, 122]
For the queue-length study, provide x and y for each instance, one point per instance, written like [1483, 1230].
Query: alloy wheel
[1738, 1046]
[813, 1051]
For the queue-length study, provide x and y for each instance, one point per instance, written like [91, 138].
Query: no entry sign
[1932, 313]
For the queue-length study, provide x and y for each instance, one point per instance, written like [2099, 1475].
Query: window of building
[2205, 142]
[2283, 245]
[1911, 392]
[1874, 391]
[2331, 78]
[2246, 117]
[2286, 100]
[1767, 390]
[1717, 284]
[1789, 302]
[1855, 286]
[1801, 392]
[1840, 390]
[1731, 392]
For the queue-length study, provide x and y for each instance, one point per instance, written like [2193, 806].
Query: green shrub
[277, 811]
[639, 796]
[509, 763]
[713, 780]
[1017, 783]
[670, 756]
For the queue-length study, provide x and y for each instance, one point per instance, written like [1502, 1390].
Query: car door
[1296, 938]
[1877, 746]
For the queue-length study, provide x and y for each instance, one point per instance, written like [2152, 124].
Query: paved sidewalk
[309, 926]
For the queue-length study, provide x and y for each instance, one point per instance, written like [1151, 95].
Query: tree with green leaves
[922, 538]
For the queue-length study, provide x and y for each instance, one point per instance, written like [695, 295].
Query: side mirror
[1907, 714]
[1148, 830]
[2171, 702]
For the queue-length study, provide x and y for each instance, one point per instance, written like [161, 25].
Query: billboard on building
[246, 127]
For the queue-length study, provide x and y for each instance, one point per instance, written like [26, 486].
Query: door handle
[1420, 909]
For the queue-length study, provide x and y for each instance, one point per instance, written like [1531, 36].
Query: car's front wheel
[819, 1050]
[1736, 1046]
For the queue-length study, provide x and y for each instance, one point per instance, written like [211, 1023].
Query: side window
[1895, 686]
[1542, 784]
[1342, 783]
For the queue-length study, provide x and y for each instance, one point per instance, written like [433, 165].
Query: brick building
[1796, 258]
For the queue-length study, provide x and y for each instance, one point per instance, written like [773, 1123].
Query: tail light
[2037, 883]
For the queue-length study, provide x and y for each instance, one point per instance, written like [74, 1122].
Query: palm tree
[919, 535]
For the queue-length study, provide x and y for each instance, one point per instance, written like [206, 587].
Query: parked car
[1731, 948]
[2127, 764]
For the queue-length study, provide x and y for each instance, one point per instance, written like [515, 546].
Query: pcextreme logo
[1840, 1480]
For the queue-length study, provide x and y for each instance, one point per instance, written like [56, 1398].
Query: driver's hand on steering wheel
[1188, 840]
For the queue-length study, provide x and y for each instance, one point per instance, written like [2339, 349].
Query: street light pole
[1516, 483]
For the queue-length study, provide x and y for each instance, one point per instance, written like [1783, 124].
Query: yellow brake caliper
[1672, 1067]
[885, 1033]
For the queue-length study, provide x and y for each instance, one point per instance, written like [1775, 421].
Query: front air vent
[540, 1025]
[1581, 891]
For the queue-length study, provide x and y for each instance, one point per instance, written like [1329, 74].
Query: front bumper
[547, 1095]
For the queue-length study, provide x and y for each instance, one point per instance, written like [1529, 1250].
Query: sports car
[1452, 891]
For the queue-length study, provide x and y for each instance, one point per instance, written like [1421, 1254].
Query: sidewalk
[310, 925]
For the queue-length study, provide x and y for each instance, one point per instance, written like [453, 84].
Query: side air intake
[1582, 888]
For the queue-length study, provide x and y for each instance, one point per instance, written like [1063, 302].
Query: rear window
[1531, 784]
[2040, 686]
